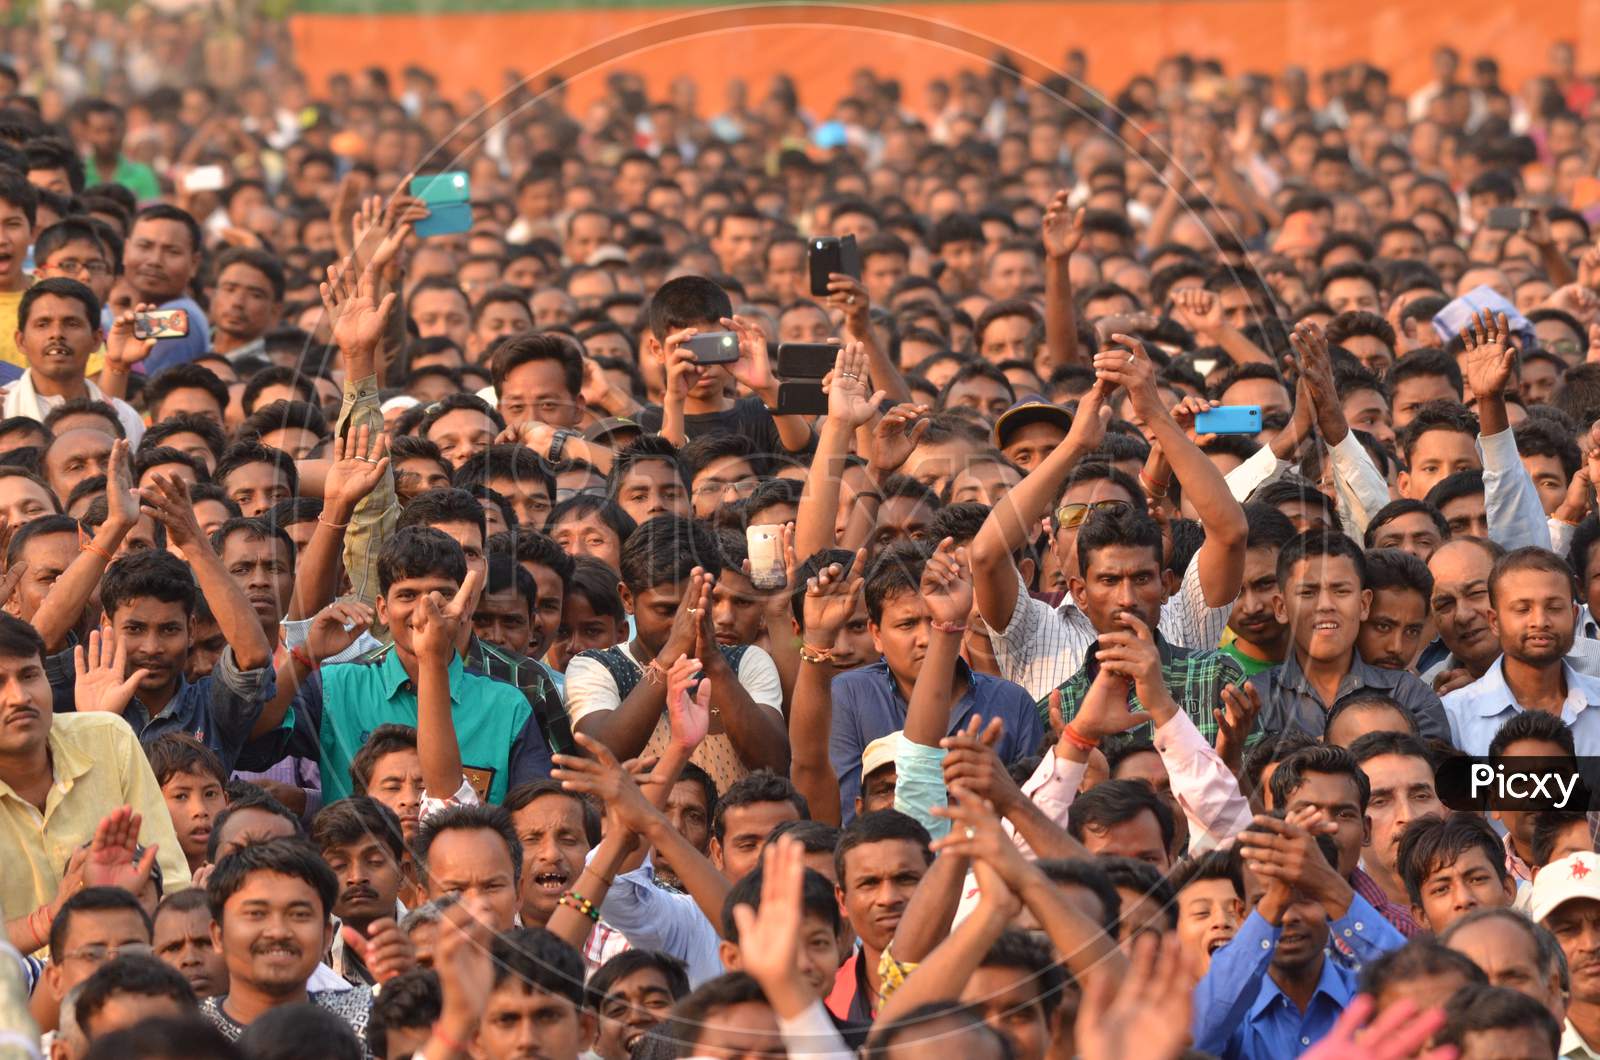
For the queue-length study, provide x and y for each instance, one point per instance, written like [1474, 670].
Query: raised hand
[1398, 1034]
[123, 350]
[1131, 653]
[849, 297]
[1184, 412]
[357, 312]
[360, 458]
[384, 949]
[894, 438]
[100, 683]
[1126, 363]
[692, 612]
[831, 599]
[1489, 354]
[688, 715]
[1144, 1013]
[1062, 228]
[336, 627]
[1236, 718]
[435, 637]
[683, 371]
[1287, 852]
[601, 776]
[110, 859]
[461, 957]
[971, 761]
[947, 584]
[167, 501]
[1089, 423]
[1200, 311]
[753, 368]
[122, 499]
[769, 937]
[975, 833]
[850, 399]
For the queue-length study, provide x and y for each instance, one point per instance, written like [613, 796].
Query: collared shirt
[96, 764]
[501, 745]
[219, 710]
[1573, 1047]
[1239, 1012]
[1195, 678]
[654, 918]
[1042, 646]
[867, 704]
[1393, 912]
[529, 678]
[1477, 711]
[1290, 704]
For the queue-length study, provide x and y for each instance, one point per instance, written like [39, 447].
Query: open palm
[849, 398]
[1489, 355]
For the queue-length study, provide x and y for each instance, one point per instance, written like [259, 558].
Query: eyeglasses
[743, 487]
[1071, 516]
[93, 268]
[1563, 347]
[566, 493]
[99, 954]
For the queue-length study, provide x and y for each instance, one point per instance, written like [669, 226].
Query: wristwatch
[558, 443]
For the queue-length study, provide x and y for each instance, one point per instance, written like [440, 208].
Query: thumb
[1056, 721]
[354, 940]
[992, 732]
[147, 863]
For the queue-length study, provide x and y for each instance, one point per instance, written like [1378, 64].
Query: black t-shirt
[749, 417]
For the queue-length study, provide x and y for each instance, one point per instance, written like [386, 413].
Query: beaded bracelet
[574, 900]
[815, 655]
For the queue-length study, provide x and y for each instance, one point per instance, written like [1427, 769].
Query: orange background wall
[819, 44]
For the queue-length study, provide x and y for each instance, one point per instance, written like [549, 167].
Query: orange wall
[819, 44]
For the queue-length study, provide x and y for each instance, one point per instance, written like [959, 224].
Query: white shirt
[590, 686]
[22, 399]
[1477, 711]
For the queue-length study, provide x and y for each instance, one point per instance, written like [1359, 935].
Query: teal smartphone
[1229, 419]
[449, 200]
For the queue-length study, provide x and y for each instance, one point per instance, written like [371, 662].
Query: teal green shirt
[501, 743]
[135, 176]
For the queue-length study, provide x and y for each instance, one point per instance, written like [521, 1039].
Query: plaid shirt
[1195, 679]
[1394, 913]
[529, 678]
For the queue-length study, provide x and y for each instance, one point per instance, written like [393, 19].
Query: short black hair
[1425, 362]
[529, 346]
[878, 827]
[691, 1014]
[275, 375]
[288, 1032]
[1480, 1007]
[1419, 957]
[257, 259]
[162, 211]
[1118, 527]
[1386, 742]
[178, 752]
[241, 454]
[885, 1035]
[644, 448]
[290, 856]
[163, 1038]
[626, 963]
[1547, 828]
[281, 415]
[352, 819]
[242, 795]
[92, 900]
[138, 975]
[686, 301]
[1531, 558]
[410, 1001]
[1026, 951]
[384, 740]
[254, 529]
[526, 793]
[1432, 843]
[1212, 865]
[1531, 725]
[763, 785]
[155, 573]
[1116, 802]
[1454, 486]
[1393, 568]
[434, 412]
[818, 898]
[665, 550]
[1404, 506]
[540, 960]
[494, 819]
[447, 504]
[1318, 543]
[419, 551]
[1087, 874]
[187, 423]
[59, 287]
[1318, 758]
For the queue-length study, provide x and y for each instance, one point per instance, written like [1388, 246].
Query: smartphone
[764, 542]
[806, 360]
[1508, 218]
[205, 178]
[448, 197]
[1229, 419]
[802, 398]
[829, 255]
[714, 347]
[161, 324]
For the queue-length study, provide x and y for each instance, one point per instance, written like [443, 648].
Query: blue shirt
[219, 710]
[501, 743]
[197, 343]
[1477, 711]
[1239, 1012]
[867, 704]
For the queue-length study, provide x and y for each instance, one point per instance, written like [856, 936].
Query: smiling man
[159, 261]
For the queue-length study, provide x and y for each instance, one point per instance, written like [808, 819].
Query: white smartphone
[205, 178]
[765, 544]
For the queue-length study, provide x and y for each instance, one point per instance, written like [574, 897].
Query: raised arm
[1200, 311]
[830, 598]
[360, 463]
[1062, 231]
[123, 352]
[849, 297]
[62, 607]
[1516, 516]
[437, 743]
[851, 404]
[754, 370]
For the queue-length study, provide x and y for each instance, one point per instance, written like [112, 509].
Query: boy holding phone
[698, 400]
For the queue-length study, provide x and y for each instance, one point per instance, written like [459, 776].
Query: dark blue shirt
[867, 704]
[219, 710]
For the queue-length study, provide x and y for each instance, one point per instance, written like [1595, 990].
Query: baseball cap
[1574, 876]
[879, 753]
[1030, 409]
[607, 429]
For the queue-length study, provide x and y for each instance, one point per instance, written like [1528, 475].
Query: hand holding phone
[714, 347]
[829, 255]
[1229, 419]
[448, 197]
[161, 324]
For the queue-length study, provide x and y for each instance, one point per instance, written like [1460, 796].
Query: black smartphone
[801, 398]
[806, 360]
[829, 255]
[1508, 218]
[714, 347]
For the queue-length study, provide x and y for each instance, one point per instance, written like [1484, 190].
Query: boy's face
[653, 610]
[401, 605]
[550, 598]
[1253, 617]
[1413, 532]
[1392, 634]
[744, 832]
[1324, 605]
[633, 1005]
[582, 630]
[397, 783]
[257, 487]
[1009, 1001]
[15, 235]
[82, 261]
[818, 955]
[736, 609]
[1450, 892]
[901, 634]
[193, 801]
[651, 488]
[157, 635]
[1209, 912]
[1436, 455]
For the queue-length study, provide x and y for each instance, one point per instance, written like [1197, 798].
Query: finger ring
[972, 833]
[850, 300]
[694, 610]
[1130, 358]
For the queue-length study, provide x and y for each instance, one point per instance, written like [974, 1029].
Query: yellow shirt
[98, 765]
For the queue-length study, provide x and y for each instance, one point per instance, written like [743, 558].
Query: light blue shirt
[1477, 711]
[652, 918]
[1510, 500]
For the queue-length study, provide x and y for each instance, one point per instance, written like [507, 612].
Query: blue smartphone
[449, 200]
[1229, 419]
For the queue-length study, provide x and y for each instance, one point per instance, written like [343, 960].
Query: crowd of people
[420, 640]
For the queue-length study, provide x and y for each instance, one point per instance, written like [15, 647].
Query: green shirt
[501, 745]
[135, 176]
[1248, 663]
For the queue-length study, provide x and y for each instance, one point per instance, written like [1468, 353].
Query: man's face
[1461, 606]
[1006, 339]
[1466, 515]
[738, 245]
[369, 880]
[651, 488]
[1508, 956]
[547, 610]
[193, 802]
[1324, 605]
[47, 557]
[744, 832]
[438, 312]
[1336, 795]
[1008, 999]
[1413, 532]
[475, 864]
[1253, 616]
[244, 305]
[273, 933]
[264, 571]
[1268, 393]
[723, 481]
[879, 879]
[736, 609]
[1450, 892]
[499, 318]
[653, 610]
[183, 941]
[23, 500]
[1122, 581]
[159, 259]
[786, 273]
[1534, 616]
[879, 274]
[396, 782]
[1350, 294]
[1539, 381]
[461, 434]
[1139, 838]
[522, 1023]
[746, 1031]
[902, 519]
[1418, 390]
[93, 937]
[589, 535]
[988, 482]
[1029, 444]
[1576, 925]
[1392, 634]
[1549, 478]
[1209, 914]
[962, 260]
[632, 1005]
[988, 397]
[554, 845]
[1305, 933]
[503, 619]
[399, 607]
[1011, 274]
[420, 474]
[1402, 792]
[689, 813]
[58, 339]
[1366, 410]
[157, 637]
[74, 456]
[257, 487]
[537, 390]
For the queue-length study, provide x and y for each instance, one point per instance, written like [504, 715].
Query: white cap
[1574, 876]
[879, 753]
